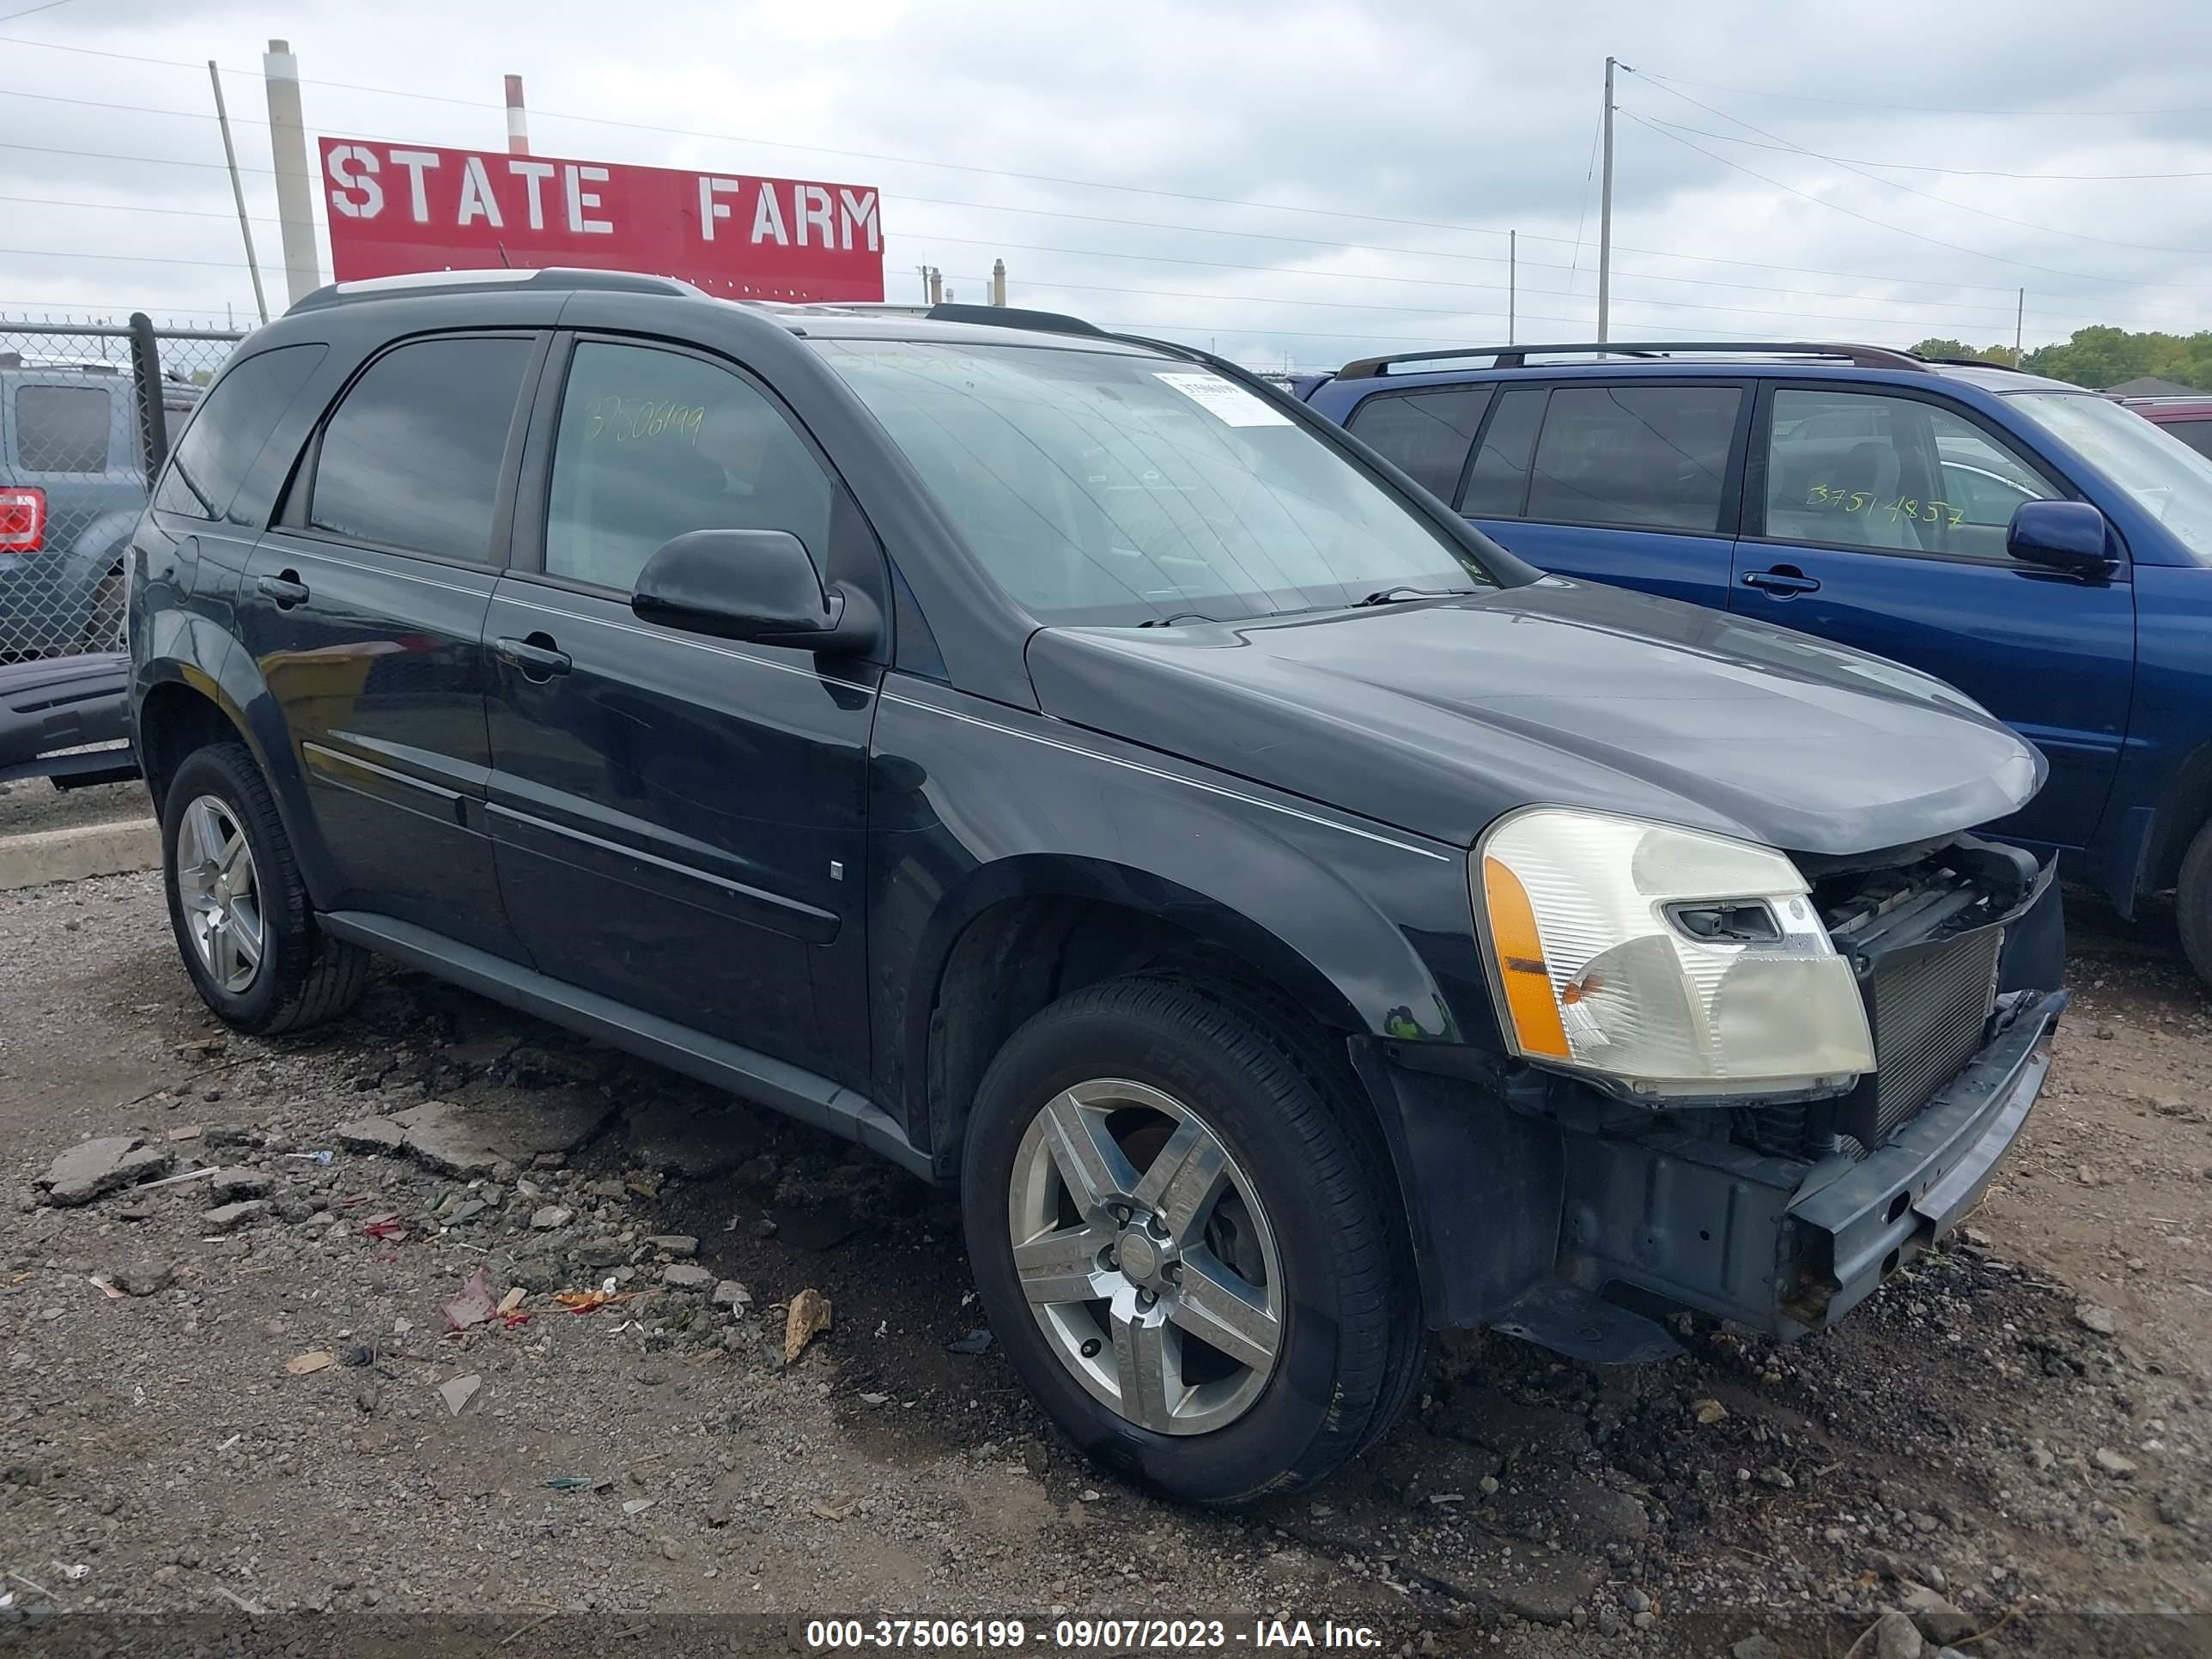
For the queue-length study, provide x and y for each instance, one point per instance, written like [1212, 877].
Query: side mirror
[2064, 536]
[758, 585]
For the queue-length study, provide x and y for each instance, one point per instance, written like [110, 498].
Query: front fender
[1369, 929]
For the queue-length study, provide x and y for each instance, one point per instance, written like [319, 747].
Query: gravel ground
[208, 1409]
[31, 803]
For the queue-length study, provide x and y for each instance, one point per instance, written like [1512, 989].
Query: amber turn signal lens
[1521, 967]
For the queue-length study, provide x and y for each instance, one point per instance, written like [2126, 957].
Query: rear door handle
[287, 590]
[537, 657]
[1783, 580]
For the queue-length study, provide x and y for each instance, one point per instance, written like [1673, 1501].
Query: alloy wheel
[220, 892]
[1147, 1257]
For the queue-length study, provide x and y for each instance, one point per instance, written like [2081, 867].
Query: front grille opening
[1922, 928]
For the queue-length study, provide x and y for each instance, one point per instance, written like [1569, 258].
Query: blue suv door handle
[537, 657]
[1783, 581]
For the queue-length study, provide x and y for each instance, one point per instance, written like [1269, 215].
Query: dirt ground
[253, 1410]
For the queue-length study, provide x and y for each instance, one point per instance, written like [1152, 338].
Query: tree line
[2099, 357]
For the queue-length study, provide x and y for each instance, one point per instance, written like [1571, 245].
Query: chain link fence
[87, 413]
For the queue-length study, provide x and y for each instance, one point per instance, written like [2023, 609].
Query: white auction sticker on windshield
[1230, 403]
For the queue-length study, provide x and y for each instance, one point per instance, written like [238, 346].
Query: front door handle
[537, 658]
[287, 589]
[1783, 581]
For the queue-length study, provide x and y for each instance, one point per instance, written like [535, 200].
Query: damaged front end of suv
[1745, 1084]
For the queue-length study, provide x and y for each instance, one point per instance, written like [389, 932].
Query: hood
[1437, 718]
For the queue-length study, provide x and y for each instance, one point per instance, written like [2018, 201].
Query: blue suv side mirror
[2065, 536]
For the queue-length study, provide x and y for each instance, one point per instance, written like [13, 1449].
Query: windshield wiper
[1170, 620]
[1393, 595]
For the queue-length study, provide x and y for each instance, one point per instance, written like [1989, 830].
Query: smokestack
[998, 282]
[518, 118]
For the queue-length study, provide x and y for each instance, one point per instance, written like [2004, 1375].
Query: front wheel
[1179, 1240]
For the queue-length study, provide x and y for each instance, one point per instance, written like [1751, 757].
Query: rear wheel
[238, 906]
[2193, 903]
[1180, 1244]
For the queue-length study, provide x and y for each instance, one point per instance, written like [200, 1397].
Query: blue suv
[2040, 547]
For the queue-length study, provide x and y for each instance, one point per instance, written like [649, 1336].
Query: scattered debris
[229, 1217]
[304, 1364]
[832, 1511]
[730, 1294]
[570, 1482]
[638, 1506]
[474, 1304]
[1708, 1412]
[511, 1301]
[2094, 1317]
[200, 1174]
[107, 1286]
[371, 1135]
[585, 1301]
[72, 1574]
[673, 1244]
[976, 1341]
[686, 1276]
[459, 1392]
[229, 1183]
[875, 1400]
[93, 1169]
[2113, 1463]
[808, 1317]
[551, 1217]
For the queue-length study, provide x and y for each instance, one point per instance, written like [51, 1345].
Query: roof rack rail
[437, 282]
[1038, 322]
[1517, 356]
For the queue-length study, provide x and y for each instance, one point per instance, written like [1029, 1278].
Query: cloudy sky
[1292, 184]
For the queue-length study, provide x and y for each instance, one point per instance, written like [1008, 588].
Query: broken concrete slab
[371, 1135]
[476, 1137]
[229, 1217]
[1587, 1514]
[697, 1141]
[93, 1169]
[679, 1244]
[1541, 1588]
[686, 1276]
[459, 1392]
[234, 1183]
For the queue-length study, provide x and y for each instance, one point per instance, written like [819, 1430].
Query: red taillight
[22, 520]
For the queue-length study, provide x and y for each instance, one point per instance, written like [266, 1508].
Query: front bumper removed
[1786, 1249]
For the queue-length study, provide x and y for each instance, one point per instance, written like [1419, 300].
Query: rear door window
[1646, 457]
[225, 436]
[1499, 483]
[1427, 433]
[411, 459]
[63, 428]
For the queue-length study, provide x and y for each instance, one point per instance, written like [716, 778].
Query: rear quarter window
[226, 435]
[1427, 433]
[62, 428]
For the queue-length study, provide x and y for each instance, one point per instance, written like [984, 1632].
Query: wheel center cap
[1141, 1256]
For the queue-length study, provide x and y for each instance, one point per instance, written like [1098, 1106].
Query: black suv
[1076, 770]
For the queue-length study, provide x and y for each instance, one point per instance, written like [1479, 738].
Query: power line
[1929, 196]
[27, 10]
[1141, 190]
[1866, 218]
[1918, 167]
[1917, 109]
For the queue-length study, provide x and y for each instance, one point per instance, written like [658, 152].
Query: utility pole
[237, 192]
[295, 193]
[1512, 279]
[1605, 210]
[2019, 325]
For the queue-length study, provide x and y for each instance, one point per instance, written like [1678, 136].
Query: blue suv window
[1651, 457]
[1499, 483]
[1901, 475]
[1427, 433]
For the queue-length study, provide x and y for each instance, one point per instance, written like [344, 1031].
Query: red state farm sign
[396, 209]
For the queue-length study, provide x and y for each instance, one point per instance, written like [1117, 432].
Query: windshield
[1109, 488]
[2163, 476]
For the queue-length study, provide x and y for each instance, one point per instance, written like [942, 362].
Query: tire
[1299, 1223]
[2193, 903]
[299, 975]
[103, 628]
